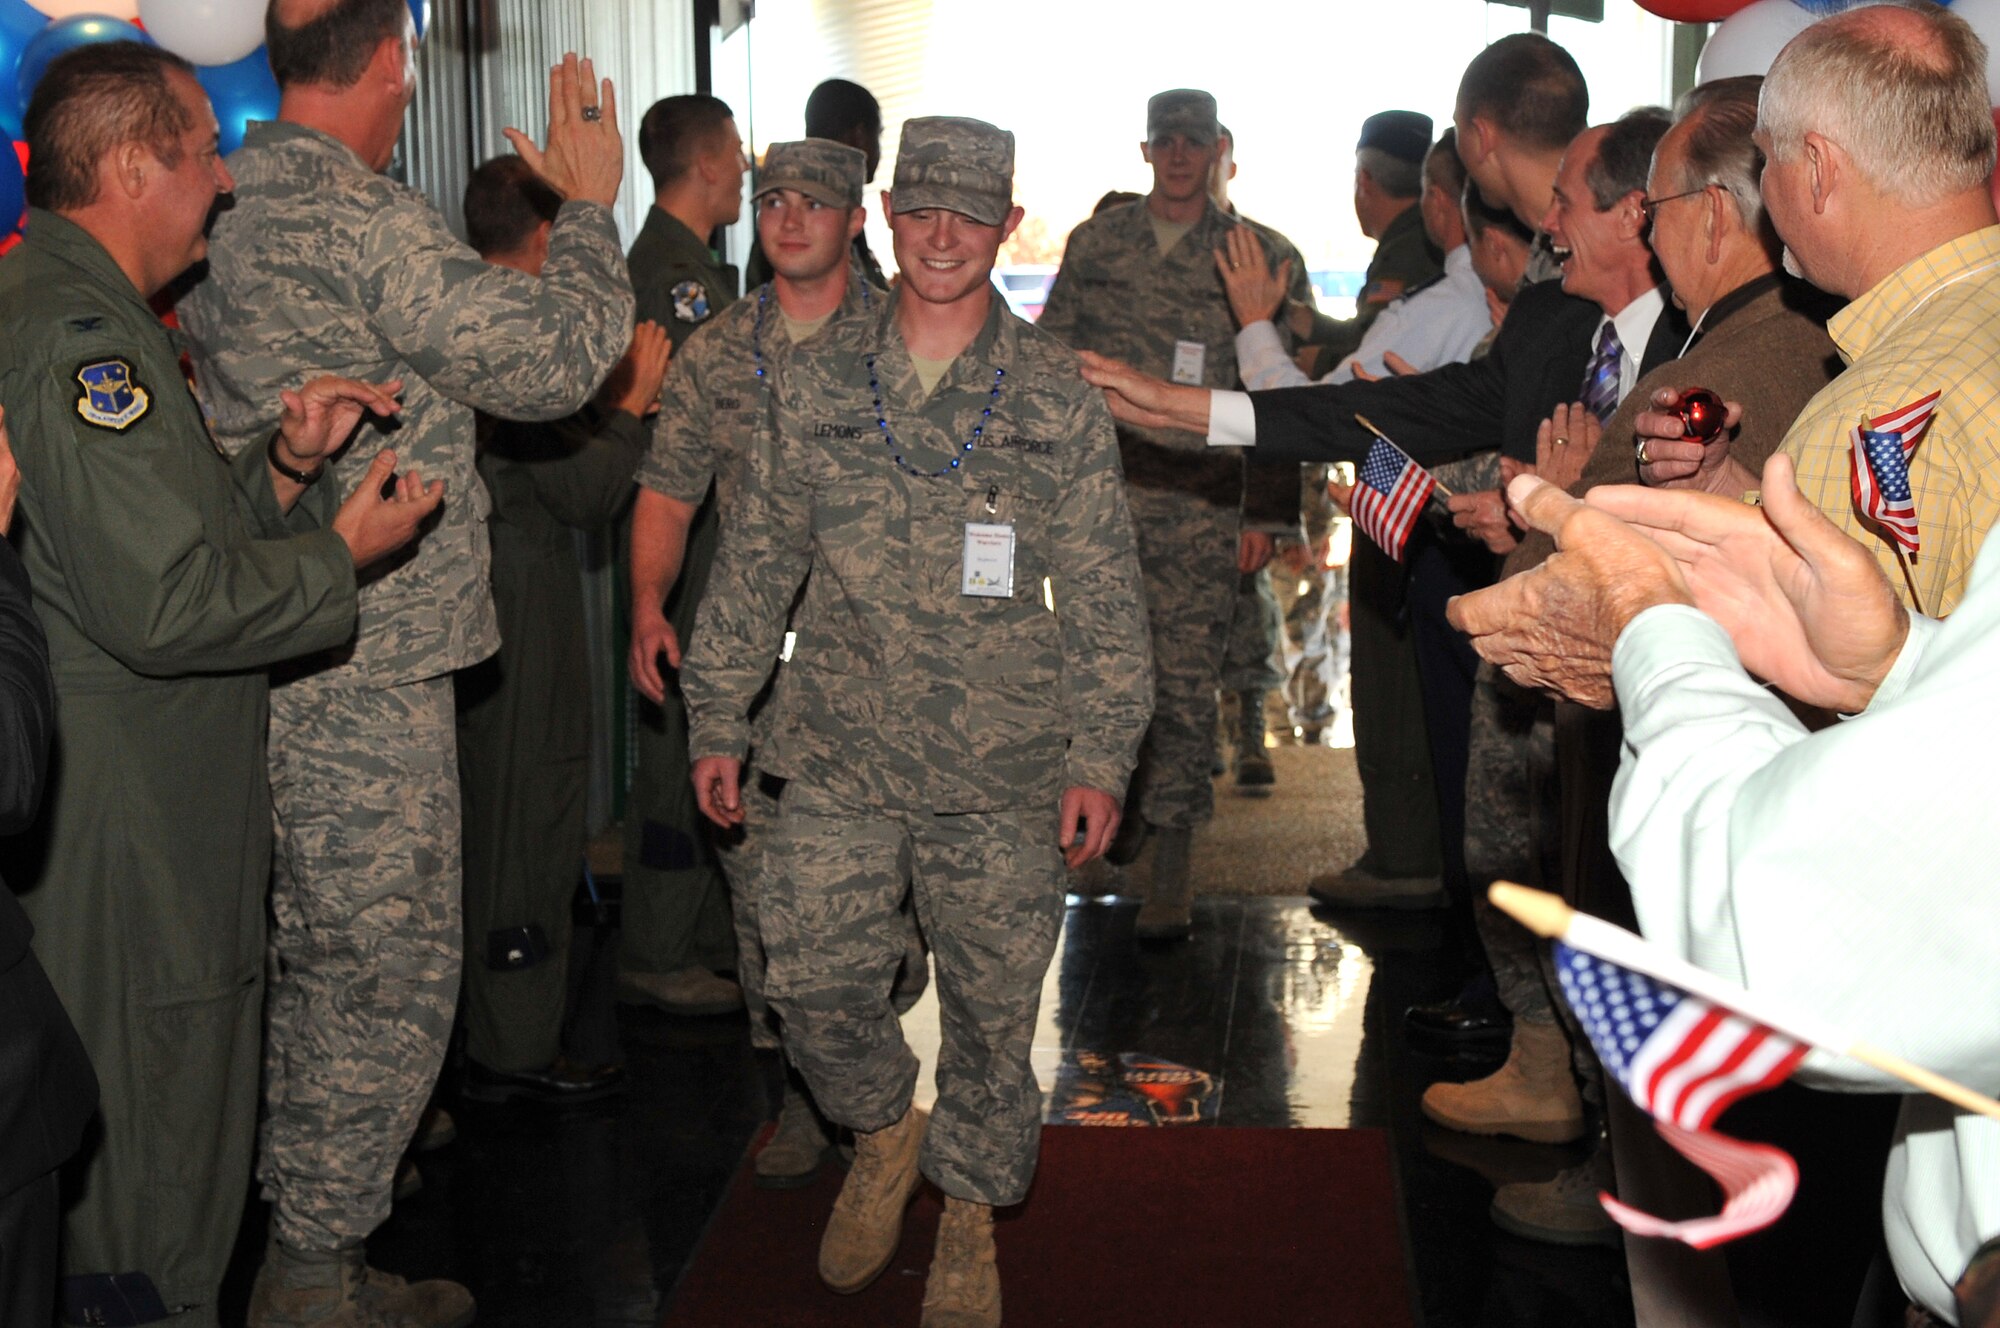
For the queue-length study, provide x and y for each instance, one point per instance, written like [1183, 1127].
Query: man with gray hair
[1878, 143]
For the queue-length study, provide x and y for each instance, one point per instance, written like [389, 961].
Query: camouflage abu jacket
[324, 266]
[901, 690]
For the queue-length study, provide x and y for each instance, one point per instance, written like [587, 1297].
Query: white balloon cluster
[1749, 40]
[203, 32]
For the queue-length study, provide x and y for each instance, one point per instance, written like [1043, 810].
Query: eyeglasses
[1649, 206]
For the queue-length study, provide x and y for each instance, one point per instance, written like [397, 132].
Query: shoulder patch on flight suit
[112, 397]
[690, 301]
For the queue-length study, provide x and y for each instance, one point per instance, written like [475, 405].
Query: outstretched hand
[1143, 400]
[1553, 627]
[1807, 607]
[585, 156]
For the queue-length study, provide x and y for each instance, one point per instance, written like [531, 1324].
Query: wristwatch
[291, 473]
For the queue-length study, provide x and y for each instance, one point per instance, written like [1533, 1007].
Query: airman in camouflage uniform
[716, 399]
[938, 723]
[1143, 288]
[324, 263]
[676, 920]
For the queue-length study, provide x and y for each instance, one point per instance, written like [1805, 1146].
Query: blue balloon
[65, 35]
[420, 10]
[13, 190]
[20, 23]
[240, 92]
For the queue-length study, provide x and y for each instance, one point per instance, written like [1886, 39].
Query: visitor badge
[989, 560]
[1190, 358]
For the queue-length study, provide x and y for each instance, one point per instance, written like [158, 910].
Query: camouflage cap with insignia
[960, 165]
[819, 168]
[1187, 111]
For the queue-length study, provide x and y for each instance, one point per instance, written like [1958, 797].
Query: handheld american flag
[1684, 1060]
[1880, 468]
[1686, 1043]
[1389, 491]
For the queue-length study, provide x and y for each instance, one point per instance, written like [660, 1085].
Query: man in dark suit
[47, 1090]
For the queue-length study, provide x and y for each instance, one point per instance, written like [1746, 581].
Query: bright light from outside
[1070, 78]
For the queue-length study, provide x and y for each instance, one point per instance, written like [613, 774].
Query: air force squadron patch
[112, 395]
[690, 301]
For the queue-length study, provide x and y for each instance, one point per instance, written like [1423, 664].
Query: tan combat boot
[1531, 1097]
[791, 1159]
[867, 1220]
[963, 1290]
[1168, 913]
[337, 1289]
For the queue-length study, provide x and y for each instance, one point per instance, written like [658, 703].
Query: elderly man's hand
[1672, 460]
[1255, 293]
[1808, 608]
[1553, 627]
[585, 156]
[1483, 515]
[1149, 402]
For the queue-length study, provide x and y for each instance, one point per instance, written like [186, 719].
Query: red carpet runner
[1226, 1228]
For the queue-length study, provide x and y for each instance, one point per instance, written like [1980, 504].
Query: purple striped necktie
[1600, 377]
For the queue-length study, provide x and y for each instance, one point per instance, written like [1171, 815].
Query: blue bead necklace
[978, 430]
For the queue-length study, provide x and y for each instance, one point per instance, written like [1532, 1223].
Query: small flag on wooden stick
[1389, 491]
[1684, 1044]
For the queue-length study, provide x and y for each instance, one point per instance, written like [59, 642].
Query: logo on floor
[1132, 1088]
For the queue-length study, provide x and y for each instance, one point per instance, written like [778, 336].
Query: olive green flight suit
[524, 726]
[167, 582]
[676, 904]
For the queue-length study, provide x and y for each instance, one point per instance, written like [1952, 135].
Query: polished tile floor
[1271, 1016]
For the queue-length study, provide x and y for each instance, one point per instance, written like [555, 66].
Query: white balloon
[207, 32]
[125, 9]
[1984, 16]
[1750, 39]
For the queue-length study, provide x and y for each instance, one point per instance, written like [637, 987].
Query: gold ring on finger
[1640, 455]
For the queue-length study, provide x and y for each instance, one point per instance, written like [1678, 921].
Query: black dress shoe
[1457, 1021]
[557, 1085]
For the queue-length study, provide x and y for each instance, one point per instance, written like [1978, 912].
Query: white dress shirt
[1635, 328]
[1441, 322]
[1852, 871]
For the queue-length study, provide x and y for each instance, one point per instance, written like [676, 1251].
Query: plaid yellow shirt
[1933, 325]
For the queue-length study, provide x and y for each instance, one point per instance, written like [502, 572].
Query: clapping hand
[585, 156]
[634, 384]
[1255, 294]
[1808, 608]
[1553, 627]
[317, 419]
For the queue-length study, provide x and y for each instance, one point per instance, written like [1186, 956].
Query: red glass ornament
[1701, 413]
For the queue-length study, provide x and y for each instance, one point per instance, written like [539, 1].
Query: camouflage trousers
[744, 858]
[1510, 822]
[1315, 646]
[365, 946]
[1187, 557]
[1255, 659]
[988, 888]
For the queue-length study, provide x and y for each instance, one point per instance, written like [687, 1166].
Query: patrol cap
[960, 165]
[819, 168]
[1404, 135]
[1188, 111]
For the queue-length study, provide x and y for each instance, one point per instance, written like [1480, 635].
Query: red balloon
[1693, 11]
